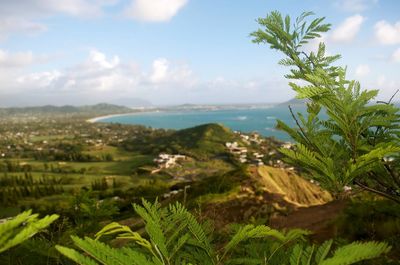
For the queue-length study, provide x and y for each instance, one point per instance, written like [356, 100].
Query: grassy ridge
[200, 142]
[98, 109]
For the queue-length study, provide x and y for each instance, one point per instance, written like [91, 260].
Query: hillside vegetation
[94, 110]
[201, 142]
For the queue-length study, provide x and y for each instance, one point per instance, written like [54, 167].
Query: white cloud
[362, 70]
[27, 16]
[387, 87]
[386, 84]
[98, 78]
[396, 56]
[344, 33]
[381, 80]
[160, 68]
[83, 8]
[255, 90]
[355, 5]
[154, 10]
[104, 78]
[165, 73]
[313, 44]
[99, 58]
[97, 73]
[41, 79]
[386, 33]
[43, 8]
[24, 16]
[18, 59]
[14, 25]
[348, 29]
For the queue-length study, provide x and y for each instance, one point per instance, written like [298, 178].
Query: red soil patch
[318, 219]
[274, 209]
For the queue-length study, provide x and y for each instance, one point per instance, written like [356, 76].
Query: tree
[344, 140]
[88, 210]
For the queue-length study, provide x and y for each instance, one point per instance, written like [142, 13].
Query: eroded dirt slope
[293, 188]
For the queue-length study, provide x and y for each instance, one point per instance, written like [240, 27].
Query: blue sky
[178, 51]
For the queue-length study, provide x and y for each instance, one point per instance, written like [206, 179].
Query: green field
[60, 166]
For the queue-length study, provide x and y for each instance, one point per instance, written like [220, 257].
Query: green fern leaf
[323, 251]
[295, 257]
[101, 252]
[76, 256]
[21, 228]
[356, 252]
[251, 231]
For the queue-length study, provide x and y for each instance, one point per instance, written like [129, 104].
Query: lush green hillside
[98, 109]
[294, 102]
[203, 141]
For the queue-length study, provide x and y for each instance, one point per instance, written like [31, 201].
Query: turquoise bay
[261, 120]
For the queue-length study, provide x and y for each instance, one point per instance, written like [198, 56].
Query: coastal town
[42, 135]
[252, 150]
[256, 142]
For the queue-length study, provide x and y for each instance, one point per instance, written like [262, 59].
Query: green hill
[104, 108]
[201, 142]
[294, 102]
[90, 110]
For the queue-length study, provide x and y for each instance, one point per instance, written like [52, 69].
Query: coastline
[236, 120]
[99, 118]
[201, 108]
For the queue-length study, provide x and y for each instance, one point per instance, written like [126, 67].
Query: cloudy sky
[177, 51]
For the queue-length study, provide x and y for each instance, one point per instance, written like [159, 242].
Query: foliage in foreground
[364, 219]
[22, 227]
[174, 236]
[358, 143]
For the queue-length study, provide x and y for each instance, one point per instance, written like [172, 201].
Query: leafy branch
[354, 139]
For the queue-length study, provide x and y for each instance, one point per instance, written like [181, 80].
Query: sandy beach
[99, 118]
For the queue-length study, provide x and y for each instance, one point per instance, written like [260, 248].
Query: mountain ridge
[100, 108]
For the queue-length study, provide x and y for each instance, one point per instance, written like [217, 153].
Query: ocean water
[261, 120]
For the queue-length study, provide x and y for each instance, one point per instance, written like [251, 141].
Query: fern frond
[21, 228]
[295, 257]
[309, 91]
[307, 255]
[295, 234]
[140, 258]
[323, 251]
[101, 252]
[356, 252]
[195, 228]
[243, 261]
[151, 215]
[124, 232]
[74, 255]
[251, 231]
